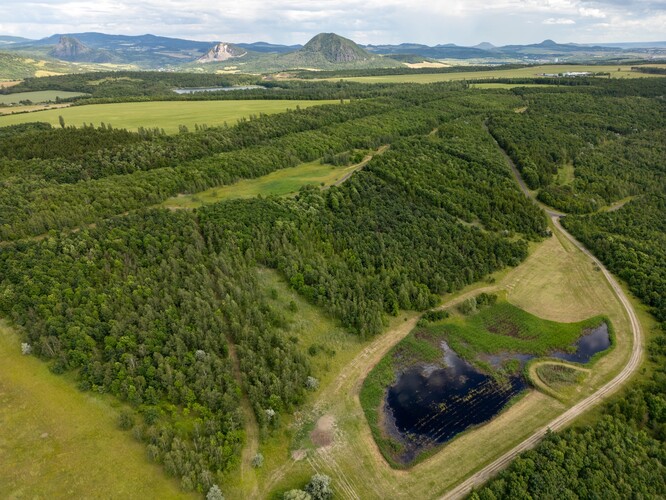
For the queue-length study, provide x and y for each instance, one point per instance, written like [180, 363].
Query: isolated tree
[319, 487]
[214, 493]
[61, 120]
[297, 495]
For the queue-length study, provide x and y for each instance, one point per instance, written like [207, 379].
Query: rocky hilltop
[69, 48]
[222, 52]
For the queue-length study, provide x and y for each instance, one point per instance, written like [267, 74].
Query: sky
[463, 22]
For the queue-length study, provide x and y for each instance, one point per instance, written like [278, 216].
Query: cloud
[552, 20]
[367, 21]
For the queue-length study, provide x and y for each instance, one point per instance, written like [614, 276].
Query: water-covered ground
[194, 90]
[430, 404]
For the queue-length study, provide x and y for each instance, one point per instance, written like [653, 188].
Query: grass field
[56, 442]
[505, 327]
[279, 183]
[38, 97]
[167, 115]
[528, 72]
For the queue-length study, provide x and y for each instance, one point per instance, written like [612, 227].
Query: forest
[164, 311]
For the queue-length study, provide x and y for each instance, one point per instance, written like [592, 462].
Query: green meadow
[279, 183]
[526, 72]
[167, 115]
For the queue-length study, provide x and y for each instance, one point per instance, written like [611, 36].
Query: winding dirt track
[493, 468]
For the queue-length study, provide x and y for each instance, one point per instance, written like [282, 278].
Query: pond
[588, 345]
[194, 90]
[429, 405]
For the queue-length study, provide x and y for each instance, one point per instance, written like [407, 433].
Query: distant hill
[69, 48]
[325, 51]
[12, 39]
[222, 52]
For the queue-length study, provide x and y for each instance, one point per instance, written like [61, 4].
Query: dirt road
[492, 469]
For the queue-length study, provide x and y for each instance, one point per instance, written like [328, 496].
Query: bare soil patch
[324, 432]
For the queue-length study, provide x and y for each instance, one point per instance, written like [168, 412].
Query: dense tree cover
[613, 138]
[67, 188]
[607, 460]
[144, 310]
[385, 240]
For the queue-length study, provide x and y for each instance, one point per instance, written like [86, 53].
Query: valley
[426, 282]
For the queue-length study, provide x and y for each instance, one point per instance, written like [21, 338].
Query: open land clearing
[58, 442]
[286, 181]
[167, 115]
[526, 72]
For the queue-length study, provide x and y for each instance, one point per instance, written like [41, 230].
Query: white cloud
[367, 21]
[559, 20]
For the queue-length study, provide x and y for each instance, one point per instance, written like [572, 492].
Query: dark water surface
[588, 345]
[194, 90]
[429, 405]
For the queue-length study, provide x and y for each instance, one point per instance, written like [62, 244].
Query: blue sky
[464, 22]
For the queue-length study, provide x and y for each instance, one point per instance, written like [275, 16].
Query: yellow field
[167, 115]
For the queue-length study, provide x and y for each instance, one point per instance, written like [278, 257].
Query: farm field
[527, 72]
[38, 97]
[66, 438]
[167, 115]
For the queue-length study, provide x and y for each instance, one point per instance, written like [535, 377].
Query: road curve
[632, 365]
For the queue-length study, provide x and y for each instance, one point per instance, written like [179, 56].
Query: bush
[319, 487]
[258, 461]
[126, 420]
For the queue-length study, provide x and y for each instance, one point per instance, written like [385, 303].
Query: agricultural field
[37, 97]
[167, 115]
[620, 71]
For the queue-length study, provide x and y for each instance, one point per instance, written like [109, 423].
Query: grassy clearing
[565, 174]
[505, 327]
[279, 183]
[56, 442]
[38, 97]
[558, 379]
[167, 115]
[558, 376]
[527, 72]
